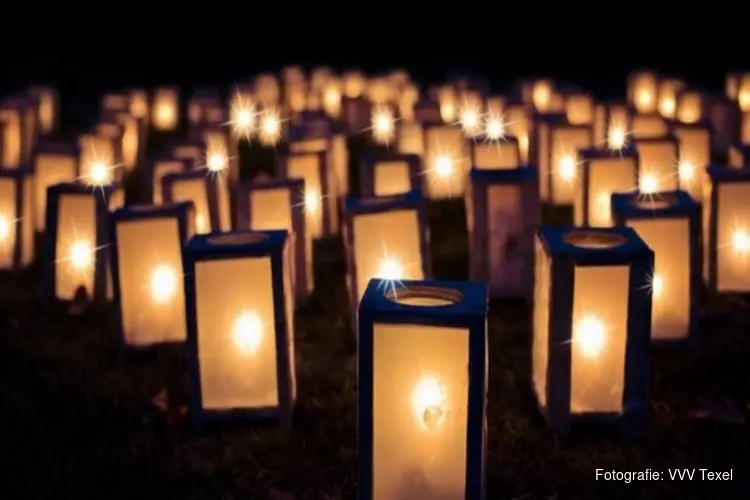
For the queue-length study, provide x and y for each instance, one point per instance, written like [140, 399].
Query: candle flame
[741, 241]
[589, 336]
[383, 125]
[444, 166]
[247, 333]
[163, 284]
[5, 226]
[649, 184]
[80, 255]
[428, 402]
[566, 167]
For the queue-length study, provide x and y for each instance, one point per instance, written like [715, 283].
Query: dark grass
[77, 421]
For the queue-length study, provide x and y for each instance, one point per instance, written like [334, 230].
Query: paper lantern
[492, 152]
[53, 163]
[47, 107]
[18, 126]
[648, 126]
[130, 139]
[471, 116]
[193, 151]
[668, 90]
[670, 226]
[738, 155]
[409, 96]
[74, 239]
[201, 190]
[446, 161]
[520, 126]
[16, 223]
[557, 157]
[383, 125]
[113, 132]
[165, 109]
[332, 98]
[579, 108]
[243, 114]
[240, 327]
[592, 327]
[162, 168]
[267, 90]
[422, 359]
[726, 219]
[205, 110]
[220, 161]
[279, 205]
[612, 125]
[694, 155]
[743, 93]
[689, 106]
[316, 133]
[448, 103]
[97, 162]
[385, 237]
[139, 105]
[146, 256]
[603, 172]
[658, 167]
[410, 138]
[388, 174]
[321, 209]
[732, 85]
[542, 95]
[112, 103]
[502, 209]
[643, 91]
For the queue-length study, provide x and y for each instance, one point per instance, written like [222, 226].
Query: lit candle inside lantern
[16, 224]
[557, 157]
[668, 91]
[470, 119]
[321, 216]
[445, 151]
[694, 156]
[689, 106]
[147, 272]
[658, 164]
[269, 127]
[243, 117]
[608, 314]
[332, 99]
[383, 125]
[240, 326]
[541, 95]
[447, 102]
[617, 137]
[413, 383]
[165, 109]
[642, 91]
[604, 172]
[495, 128]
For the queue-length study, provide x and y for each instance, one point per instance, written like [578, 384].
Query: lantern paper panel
[579, 108]
[240, 326]
[267, 90]
[113, 132]
[320, 200]
[603, 172]
[668, 90]
[131, 140]
[47, 107]
[279, 205]
[410, 138]
[495, 154]
[385, 237]
[11, 126]
[557, 153]
[648, 126]
[139, 106]
[592, 326]
[689, 106]
[162, 168]
[146, 258]
[73, 240]
[694, 155]
[199, 189]
[165, 109]
[53, 163]
[745, 127]
[520, 126]
[16, 223]
[97, 162]
[421, 412]
[658, 164]
[670, 226]
[502, 211]
[317, 134]
[726, 219]
[446, 158]
[389, 174]
[643, 88]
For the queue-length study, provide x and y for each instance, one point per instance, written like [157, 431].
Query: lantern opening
[237, 239]
[424, 296]
[594, 239]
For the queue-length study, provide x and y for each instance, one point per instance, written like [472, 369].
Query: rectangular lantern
[165, 109]
[603, 172]
[612, 125]
[222, 152]
[201, 190]
[579, 108]
[240, 327]
[648, 126]
[643, 88]
[726, 223]
[694, 155]
[53, 163]
[446, 161]
[16, 223]
[495, 153]
[410, 138]
[73, 241]
[669, 88]
[670, 226]
[16, 121]
[592, 327]
[114, 102]
[47, 107]
[321, 207]
[113, 132]
[658, 164]
[689, 106]
[385, 237]
[557, 158]
[422, 383]
[502, 209]
[388, 174]
[146, 256]
[130, 139]
[162, 168]
[279, 205]
[97, 161]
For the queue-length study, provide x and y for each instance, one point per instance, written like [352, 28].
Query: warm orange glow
[667, 106]
[163, 284]
[216, 161]
[541, 96]
[201, 224]
[98, 173]
[566, 168]
[81, 255]
[243, 117]
[648, 184]
[5, 225]
[270, 127]
[471, 120]
[617, 138]
[657, 286]
[383, 125]
[495, 128]
[686, 171]
[589, 336]
[312, 202]
[644, 99]
[741, 241]
[428, 402]
[389, 268]
[247, 333]
[444, 166]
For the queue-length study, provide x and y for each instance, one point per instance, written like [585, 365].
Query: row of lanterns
[221, 262]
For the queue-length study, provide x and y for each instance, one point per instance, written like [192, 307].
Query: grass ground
[78, 422]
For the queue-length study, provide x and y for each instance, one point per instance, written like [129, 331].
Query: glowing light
[270, 127]
[743, 98]
[4, 227]
[332, 99]
[566, 167]
[686, 171]
[616, 138]
[428, 402]
[667, 107]
[80, 255]
[644, 99]
[99, 174]
[448, 111]
[542, 95]
[389, 269]
[165, 114]
[657, 285]
[243, 118]
[312, 202]
[741, 241]
[495, 129]
[470, 120]
[649, 184]
[247, 333]
[216, 162]
[444, 166]
[589, 337]
[383, 125]
[201, 223]
[163, 284]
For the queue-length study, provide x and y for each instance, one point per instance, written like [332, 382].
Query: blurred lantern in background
[16, 221]
[53, 163]
[165, 109]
